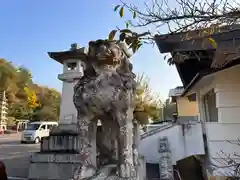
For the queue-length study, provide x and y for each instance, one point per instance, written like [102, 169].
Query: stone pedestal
[59, 156]
[50, 166]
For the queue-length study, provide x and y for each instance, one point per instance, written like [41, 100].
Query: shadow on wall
[152, 171]
[189, 169]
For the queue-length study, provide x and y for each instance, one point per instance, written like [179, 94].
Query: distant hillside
[27, 100]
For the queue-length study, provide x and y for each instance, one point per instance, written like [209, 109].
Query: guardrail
[154, 131]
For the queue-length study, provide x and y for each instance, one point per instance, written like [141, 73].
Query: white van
[36, 130]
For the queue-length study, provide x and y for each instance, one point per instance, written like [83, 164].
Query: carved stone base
[55, 166]
[59, 157]
[61, 143]
[108, 172]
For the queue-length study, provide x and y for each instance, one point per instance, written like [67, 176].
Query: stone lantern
[59, 153]
[72, 62]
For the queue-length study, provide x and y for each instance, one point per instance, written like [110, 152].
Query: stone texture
[53, 166]
[106, 91]
[68, 143]
[165, 162]
[55, 158]
[51, 171]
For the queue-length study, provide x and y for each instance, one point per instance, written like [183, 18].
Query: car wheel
[37, 140]
[22, 142]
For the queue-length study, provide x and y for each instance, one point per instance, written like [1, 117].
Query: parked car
[35, 131]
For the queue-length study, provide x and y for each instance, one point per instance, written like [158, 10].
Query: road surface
[16, 155]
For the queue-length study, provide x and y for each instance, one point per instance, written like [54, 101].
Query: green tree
[169, 109]
[46, 114]
[24, 77]
[7, 74]
[49, 105]
[20, 111]
[27, 100]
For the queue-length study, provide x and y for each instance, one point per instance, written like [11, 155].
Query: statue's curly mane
[107, 78]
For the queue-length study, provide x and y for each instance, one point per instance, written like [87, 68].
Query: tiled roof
[176, 92]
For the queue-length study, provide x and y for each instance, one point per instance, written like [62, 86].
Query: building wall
[183, 142]
[220, 134]
[186, 107]
[228, 95]
[152, 155]
[226, 85]
[219, 148]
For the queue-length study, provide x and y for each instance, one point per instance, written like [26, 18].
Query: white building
[212, 74]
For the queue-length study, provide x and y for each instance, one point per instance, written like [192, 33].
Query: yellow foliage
[213, 42]
[147, 104]
[32, 98]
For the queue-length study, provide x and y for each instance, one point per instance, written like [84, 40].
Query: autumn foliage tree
[148, 104]
[7, 74]
[27, 100]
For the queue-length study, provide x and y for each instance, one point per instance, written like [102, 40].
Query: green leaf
[134, 14]
[134, 48]
[127, 24]
[139, 45]
[121, 12]
[112, 34]
[125, 31]
[116, 7]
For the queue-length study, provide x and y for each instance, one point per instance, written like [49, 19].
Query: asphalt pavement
[16, 155]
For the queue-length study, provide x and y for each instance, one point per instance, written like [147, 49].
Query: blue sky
[30, 29]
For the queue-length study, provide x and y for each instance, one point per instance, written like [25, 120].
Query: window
[43, 127]
[32, 126]
[211, 111]
[192, 97]
[51, 126]
[72, 66]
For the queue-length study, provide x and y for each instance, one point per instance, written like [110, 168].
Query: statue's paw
[84, 172]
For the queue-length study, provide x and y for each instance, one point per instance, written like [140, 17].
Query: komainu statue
[107, 90]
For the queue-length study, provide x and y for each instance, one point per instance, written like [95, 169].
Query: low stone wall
[53, 166]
